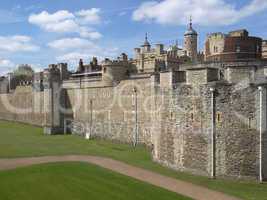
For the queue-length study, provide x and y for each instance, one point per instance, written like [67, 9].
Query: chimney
[81, 67]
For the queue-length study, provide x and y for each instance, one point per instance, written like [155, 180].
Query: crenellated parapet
[232, 47]
[113, 71]
[207, 118]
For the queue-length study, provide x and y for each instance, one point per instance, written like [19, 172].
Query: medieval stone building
[264, 49]
[190, 42]
[234, 46]
[206, 118]
[149, 59]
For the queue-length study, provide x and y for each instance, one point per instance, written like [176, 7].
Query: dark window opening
[192, 116]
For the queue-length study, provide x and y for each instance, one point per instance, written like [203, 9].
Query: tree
[24, 70]
[23, 73]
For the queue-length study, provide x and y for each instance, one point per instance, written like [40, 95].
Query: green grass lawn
[17, 140]
[76, 181]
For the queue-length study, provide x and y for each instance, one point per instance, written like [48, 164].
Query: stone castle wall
[24, 105]
[113, 110]
[184, 137]
[237, 134]
[175, 122]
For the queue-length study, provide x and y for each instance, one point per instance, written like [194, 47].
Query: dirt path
[171, 184]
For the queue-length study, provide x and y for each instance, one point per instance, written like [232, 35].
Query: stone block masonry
[174, 121]
[207, 119]
[24, 105]
[204, 118]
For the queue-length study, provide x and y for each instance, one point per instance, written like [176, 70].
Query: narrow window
[250, 120]
[215, 49]
[219, 117]
[192, 116]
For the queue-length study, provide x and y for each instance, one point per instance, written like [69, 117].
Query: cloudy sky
[51, 31]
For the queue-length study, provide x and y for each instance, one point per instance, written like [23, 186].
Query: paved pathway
[171, 184]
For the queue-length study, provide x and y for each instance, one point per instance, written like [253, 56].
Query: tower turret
[146, 47]
[52, 94]
[81, 68]
[190, 42]
[114, 71]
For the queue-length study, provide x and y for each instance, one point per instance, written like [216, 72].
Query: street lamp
[88, 135]
[213, 136]
[136, 119]
[260, 88]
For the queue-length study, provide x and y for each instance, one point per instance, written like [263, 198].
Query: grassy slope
[18, 140]
[76, 181]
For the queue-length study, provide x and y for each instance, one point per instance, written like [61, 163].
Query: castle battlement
[202, 117]
[114, 63]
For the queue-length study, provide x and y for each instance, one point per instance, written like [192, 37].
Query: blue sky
[51, 31]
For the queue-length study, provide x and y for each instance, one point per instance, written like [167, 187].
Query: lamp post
[136, 119]
[213, 137]
[88, 135]
[260, 88]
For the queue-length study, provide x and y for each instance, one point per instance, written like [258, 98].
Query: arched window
[250, 122]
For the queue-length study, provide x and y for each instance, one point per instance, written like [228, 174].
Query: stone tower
[52, 81]
[114, 71]
[146, 47]
[190, 42]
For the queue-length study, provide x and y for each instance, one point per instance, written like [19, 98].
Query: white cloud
[73, 57]
[90, 16]
[61, 21]
[70, 43]
[64, 21]
[37, 67]
[62, 27]
[17, 43]
[44, 17]
[87, 33]
[6, 66]
[6, 63]
[77, 48]
[204, 12]
[98, 52]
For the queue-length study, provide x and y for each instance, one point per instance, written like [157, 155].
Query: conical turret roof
[146, 43]
[190, 30]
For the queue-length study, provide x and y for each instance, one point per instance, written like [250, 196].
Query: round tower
[107, 72]
[114, 71]
[190, 42]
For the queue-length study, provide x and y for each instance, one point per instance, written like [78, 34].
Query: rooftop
[190, 30]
